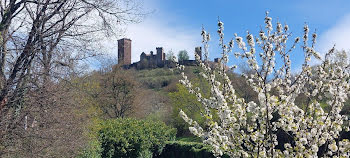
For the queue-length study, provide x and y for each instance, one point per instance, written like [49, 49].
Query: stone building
[124, 51]
[155, 59]
[150, 60]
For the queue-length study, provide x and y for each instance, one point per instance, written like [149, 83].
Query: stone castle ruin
[153, 59]
[124, 51]
[150, 60]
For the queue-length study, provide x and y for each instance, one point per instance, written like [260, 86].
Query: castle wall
[149, 60]
[188, 62]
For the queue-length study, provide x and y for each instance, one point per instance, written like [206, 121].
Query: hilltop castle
[148, 60]
[124, 51]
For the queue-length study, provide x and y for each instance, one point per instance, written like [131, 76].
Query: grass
[157, 78]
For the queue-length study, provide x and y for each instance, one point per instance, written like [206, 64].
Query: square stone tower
[160, 55]
[124, 51]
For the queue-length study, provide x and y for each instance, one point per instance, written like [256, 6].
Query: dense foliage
[130, 138]
[182, 99]
[177, 149]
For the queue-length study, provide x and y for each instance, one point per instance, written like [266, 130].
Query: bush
[131, 138]
[175, 149]
[182, 99]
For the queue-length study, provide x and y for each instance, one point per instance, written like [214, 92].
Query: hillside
[77, 106]
[163, 82]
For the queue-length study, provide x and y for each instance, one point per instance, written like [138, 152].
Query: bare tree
[51, 124]
[45, 39]
[118, 93]
[50, 27]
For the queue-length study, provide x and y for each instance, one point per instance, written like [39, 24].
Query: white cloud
[339, 35]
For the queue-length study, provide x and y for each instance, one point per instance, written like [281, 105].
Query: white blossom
[333, 147]
[245, 128]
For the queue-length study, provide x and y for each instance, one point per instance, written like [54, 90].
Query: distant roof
[125, 39]
[143, 53]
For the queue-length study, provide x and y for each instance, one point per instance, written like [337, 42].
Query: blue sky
[176, 24]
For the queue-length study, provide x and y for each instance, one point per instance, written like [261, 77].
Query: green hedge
[179, 149]
[133, 138]
[130, 138]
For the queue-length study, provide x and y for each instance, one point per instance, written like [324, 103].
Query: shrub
[182, 99]
[133, 138]
[130, 138]
[177, 149]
